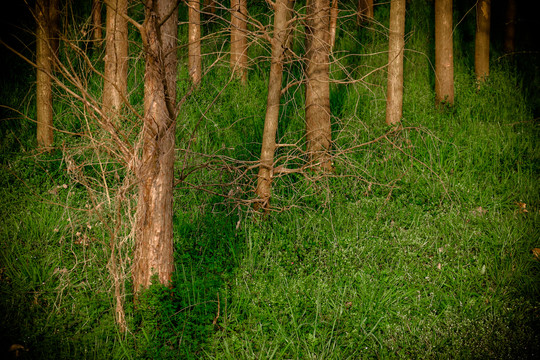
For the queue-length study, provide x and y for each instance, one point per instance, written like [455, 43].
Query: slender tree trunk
[239, 57]
[44, 70]
[394, 93]
[510, 27]
[444, 58]
[365, 11]
[154, 234]
[194, 46]
[318, 117]
[481, 55]
[264, 180]
[334, 11]
[96, 21]
[116, 56]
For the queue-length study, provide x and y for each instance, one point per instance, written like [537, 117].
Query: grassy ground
[418, 247]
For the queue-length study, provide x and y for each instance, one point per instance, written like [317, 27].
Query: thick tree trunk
[264, 180]
[239, 57]
[154, 234]
[334, 11]
[481, 54]
[510, 27]
[444, 58]
[116, 56]
[194, 46]
[44, 70]
[394, 93]
[365, 11]
[318, 117]
[96, 21]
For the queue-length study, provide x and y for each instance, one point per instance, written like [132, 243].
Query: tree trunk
[334, 11]
[194, 46]
[481, 54]
[96, 21]
[154, 233]
[510, 27]
[116, 56]
[444, 58]
[44, 69]
[239, 57]
[394, 93]
[365, 11]
[209, 6]
[264, 180]
[318, 119]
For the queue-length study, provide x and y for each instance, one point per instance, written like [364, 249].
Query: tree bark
[239, 57]
[481, 55]
[510, 27]
[334, 11]
[116, 56]
[365, 11]
[44, 70]
[394, 93]
[154, 230]
[318, 117]
[96, 21]
[444, 58]
[194, 46]
[264, 179]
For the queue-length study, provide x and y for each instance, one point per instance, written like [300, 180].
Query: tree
[239, 56]
[481, 53]
[194, 46]
[318, 117]
[365, 11]
[268, 148]
[116, 56]
[444, 58]
[510, 27]
[394, 92]
[334, 11]
[154, 234]
[96, 21]
[44, 55]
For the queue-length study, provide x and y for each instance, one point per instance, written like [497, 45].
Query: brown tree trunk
[318, 118]
[116, 56]
[154, 234]
[96, 21]
[481, 54]
[239, 57]
[334, 11]
[394, 93]
[209, 6]
[194, 46]
[264, 179]
[510, 27]
[365, 11]
[444, 58]
[44, 69]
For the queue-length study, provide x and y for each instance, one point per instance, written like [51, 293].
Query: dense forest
[257, 179]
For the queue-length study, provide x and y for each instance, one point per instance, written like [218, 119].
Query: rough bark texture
[334, 11]
[318, 119]
[154, 234]
[116, 56]
[444, 58]
[481, 54]
[264, 180]
[394, 93]
[239, 57]
[365, 11]
[96, 21]
[194, 46]
[44, 69]
[510, 27]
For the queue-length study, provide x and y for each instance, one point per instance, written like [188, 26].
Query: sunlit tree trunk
[444, 58]
[194, 47]
[318, 119]
[116, 56]
[365, 11]
[239, 57]
[394, 93]
[154, 233]
[334, 11]
[510, 27]
[96, 21]
[481, 55]
[44, 69]
[264, 180]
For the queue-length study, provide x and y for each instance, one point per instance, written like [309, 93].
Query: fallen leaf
[479, 211]
[522, 207]
[536, 253]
